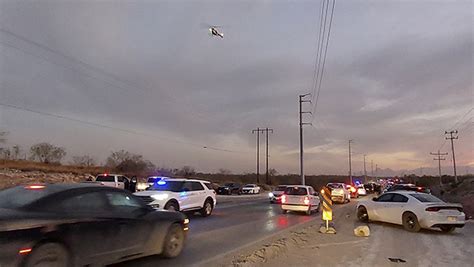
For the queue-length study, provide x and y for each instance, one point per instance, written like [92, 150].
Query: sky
[146, 76]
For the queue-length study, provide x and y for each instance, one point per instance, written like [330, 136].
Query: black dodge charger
[83, 224]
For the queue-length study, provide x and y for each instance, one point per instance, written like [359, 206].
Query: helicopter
[214, 32]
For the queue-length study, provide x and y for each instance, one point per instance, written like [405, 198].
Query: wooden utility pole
[439, 159]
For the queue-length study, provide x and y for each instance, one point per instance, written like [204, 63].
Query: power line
[324, 59]
[317, 58]
[113, 127]
[83, 66]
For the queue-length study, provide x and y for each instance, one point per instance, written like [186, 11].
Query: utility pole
[439, 159]
[267, 179]
[258, 131]
[302, 100]
[451, 137]
[365, 170]
[376, 169]
[372, 168]
[350, 161]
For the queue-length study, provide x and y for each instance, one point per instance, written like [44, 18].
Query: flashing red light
[24, 251]
[306, 200]
[283, 198]
[35, 187]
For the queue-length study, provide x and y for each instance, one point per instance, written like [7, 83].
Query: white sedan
[413, 210]
[250, 189]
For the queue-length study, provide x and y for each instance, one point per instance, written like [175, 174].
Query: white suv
[180, 195]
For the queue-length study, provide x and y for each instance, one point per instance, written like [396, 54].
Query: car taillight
[432, 209]
[306, 200]
[283, 199]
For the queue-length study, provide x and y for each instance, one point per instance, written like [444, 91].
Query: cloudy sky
[148, 78]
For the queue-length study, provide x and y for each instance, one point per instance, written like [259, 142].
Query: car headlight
[270, 194]
[160, 196]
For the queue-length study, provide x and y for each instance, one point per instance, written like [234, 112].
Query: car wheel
[362, 214]
[410, 222]
[284, 211]
[308, 212]
[49, 254]
[207, 208]
[172, 206]
[447, 228]
[174, 241]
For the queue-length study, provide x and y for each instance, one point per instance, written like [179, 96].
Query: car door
[193, 196]
[133, 231]
[200, 193]
[88, 229]
[380, 206]
[120, 182]
[394, 209]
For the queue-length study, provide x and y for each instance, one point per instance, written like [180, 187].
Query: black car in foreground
[229, 189]
[83, 224]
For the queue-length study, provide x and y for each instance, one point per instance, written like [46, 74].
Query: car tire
[284, 211]
[174, 241]
[172, 206]
[447, 228]
[362, 214]
[410, 222]
[207, 208]
[309, 211]
[48, 254]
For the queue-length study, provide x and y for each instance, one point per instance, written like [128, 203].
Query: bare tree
[272, 172]
[47, 153]
[5, 153]
[16, 151]
[85, 160]
[224, 171]
[186, 171]
[117, 157]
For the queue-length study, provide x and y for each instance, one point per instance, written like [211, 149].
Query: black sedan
[83, 224]
[229, 189]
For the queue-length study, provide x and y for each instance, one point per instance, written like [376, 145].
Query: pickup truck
[117, 181]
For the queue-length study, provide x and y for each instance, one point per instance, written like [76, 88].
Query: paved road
[232, 225]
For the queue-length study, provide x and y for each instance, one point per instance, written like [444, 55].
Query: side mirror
[374, 199]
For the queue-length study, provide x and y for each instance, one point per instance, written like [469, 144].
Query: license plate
[452, 218]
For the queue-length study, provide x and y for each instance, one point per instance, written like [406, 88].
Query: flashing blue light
[161, 182]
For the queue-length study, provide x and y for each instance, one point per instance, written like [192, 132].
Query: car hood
[148, 193]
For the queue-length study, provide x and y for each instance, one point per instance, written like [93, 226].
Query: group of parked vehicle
[236, 188]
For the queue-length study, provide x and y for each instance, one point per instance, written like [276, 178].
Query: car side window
[187, 186]
[208, 185]
[385, 198]
[196, 186]
[88, 202]
[399, 198]
[120, 179]
[122, 201]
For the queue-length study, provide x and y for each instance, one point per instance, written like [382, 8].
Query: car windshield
[229, 184]
[17, 197]
[105, 178]
[426, 198]
[334, 186]
[280, 188]
[162, 185]
[151, 180]
[296, 191]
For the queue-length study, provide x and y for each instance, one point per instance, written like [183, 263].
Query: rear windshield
[105, 178]
[280, 188]
[20, 196]
[335, 186]
[161, 185]
[296, 191]
[426, 198]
